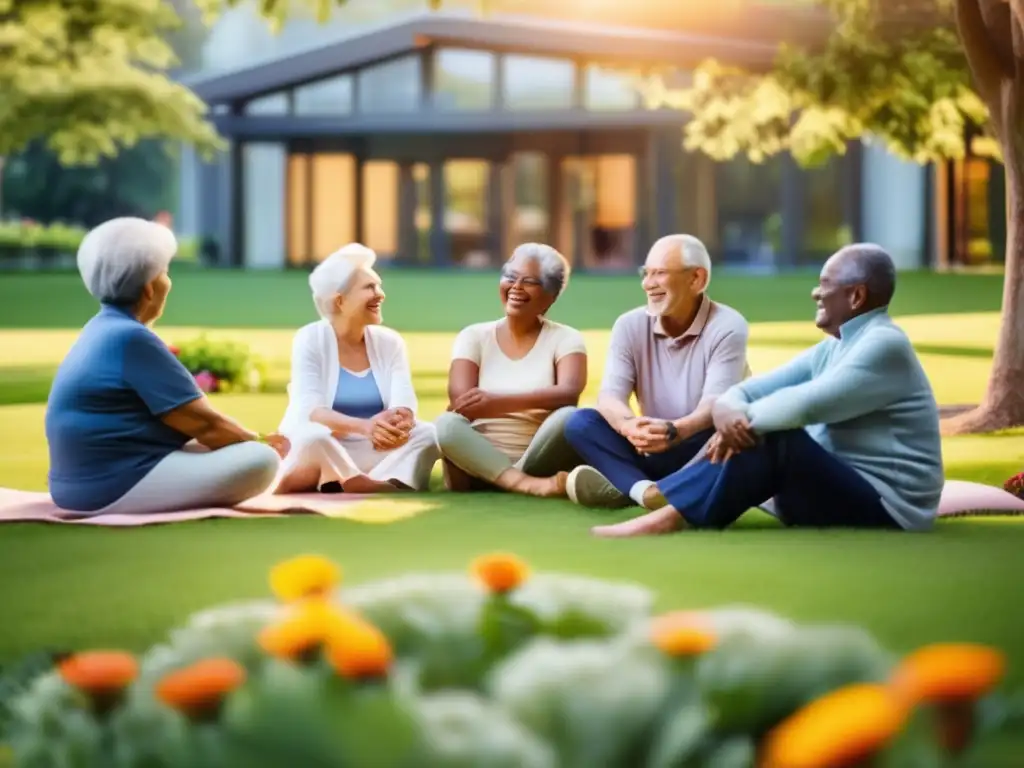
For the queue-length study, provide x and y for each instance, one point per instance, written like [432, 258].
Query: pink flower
[206, 381]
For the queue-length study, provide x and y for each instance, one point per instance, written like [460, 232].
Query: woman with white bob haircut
[123, 410]
[512, 385]
[351, 415]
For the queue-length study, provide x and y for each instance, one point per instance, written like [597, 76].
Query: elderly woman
[351, 415]
[513, 383]
[123, 410]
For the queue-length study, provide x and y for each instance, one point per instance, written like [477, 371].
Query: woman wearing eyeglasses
[512, 385]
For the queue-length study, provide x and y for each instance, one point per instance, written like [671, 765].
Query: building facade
[445, 139]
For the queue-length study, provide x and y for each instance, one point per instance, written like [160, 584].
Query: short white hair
[119, 257]
[692, 252]
[554, 267]
[334, 274]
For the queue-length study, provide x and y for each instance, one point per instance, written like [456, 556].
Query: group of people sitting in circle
[845, 434]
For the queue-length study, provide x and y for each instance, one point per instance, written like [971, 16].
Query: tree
[919, 76]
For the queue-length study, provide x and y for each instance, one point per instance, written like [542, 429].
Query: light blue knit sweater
[865, 398]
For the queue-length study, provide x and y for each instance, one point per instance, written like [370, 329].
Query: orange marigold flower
[500, 572]
[199, 690]
[839, 729]
[359, 650]
[683, 633]
[303, 577]
[99, 672]
[948, 672]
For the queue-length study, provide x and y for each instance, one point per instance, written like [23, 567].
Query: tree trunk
[994, 51]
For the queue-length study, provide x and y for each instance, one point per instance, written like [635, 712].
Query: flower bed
[222, 366]
[501, 668]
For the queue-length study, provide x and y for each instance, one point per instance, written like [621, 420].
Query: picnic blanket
[29, 506]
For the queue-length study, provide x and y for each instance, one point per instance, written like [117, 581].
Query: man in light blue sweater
[844, 435]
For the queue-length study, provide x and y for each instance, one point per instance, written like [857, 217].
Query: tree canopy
[907, 86]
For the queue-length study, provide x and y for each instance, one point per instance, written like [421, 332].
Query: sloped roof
[628, 46]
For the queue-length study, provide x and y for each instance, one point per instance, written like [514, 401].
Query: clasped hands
[732, 434]
[390, 429]
[473, 403]
[649, 436]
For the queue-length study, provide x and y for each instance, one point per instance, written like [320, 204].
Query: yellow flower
[683, 633]
[301, 633]
[500, 572]
[951, 677]
[304, 577]
[842, 728]
[948, 672]
[199, 690]
[358, 650]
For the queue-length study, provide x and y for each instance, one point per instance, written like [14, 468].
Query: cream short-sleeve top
[502, 375]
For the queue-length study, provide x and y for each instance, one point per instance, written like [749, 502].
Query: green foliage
[27, 239]
[594, 700]
[222, 366]
[909, 89]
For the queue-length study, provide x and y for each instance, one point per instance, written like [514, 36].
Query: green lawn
[70, 586]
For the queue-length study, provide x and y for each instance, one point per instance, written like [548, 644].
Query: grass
[73, 587]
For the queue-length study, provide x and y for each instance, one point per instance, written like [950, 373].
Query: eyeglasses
[512, 278]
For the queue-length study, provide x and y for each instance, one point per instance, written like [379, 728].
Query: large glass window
[390, 87]
[464, 79]
[421, 178]
[608, 89]
[601, 200]
[263, 200]
[333, 203]
[826, 229]
[748, 210]
[271, 104]
[535, 82]
[298, 209]
[530, 224]
[465, 215]
[332, 96]
[380, 207]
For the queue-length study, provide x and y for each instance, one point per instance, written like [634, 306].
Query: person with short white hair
[351, 415]
[512, 385]
[676, 355]
[127, 427]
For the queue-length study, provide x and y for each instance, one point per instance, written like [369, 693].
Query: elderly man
[844, 435]
[676, 355]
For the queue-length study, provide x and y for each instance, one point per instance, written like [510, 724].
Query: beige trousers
[341, 460]
[547, 454]
[195, 478]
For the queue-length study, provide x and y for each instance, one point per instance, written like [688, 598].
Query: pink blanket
[959, 498]
[29, 506]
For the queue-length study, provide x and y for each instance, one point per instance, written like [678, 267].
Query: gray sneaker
[589, 488]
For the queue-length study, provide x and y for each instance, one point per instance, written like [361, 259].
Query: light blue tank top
[357, 395]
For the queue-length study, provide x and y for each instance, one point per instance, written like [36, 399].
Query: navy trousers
[614, 456]
[811, 487]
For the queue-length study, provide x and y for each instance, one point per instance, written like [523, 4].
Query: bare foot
[664, 520]
[543, 487]
[363, 484]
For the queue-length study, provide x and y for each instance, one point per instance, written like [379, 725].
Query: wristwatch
[673, 433]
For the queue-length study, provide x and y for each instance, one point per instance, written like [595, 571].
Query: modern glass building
[445, 139]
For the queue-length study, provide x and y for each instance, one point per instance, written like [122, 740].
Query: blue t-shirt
[102, 416]
[357, 396]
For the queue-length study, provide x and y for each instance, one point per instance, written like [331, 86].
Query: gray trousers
[546, 455]
[195, 478]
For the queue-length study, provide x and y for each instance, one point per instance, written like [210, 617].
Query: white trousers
[195, 477]
[341, 460]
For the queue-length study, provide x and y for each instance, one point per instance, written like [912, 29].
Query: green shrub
[502, 669]
[19, 239]
[222, 366]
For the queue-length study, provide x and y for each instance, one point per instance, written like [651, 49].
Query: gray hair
[119, 257]
[554, 267]
[869, 265]
[692, 252]
[334, 274]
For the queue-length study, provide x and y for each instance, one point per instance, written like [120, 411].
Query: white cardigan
[315, 371]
